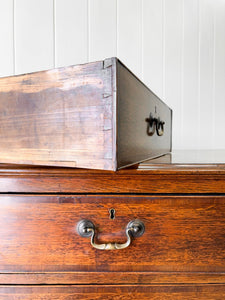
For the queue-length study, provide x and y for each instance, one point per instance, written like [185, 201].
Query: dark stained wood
[185, 234]
[118, 292]
[135, 103]
[68, 117]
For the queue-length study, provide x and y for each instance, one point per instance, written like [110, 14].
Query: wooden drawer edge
[114, 183]
[144, 292]
[112, 278]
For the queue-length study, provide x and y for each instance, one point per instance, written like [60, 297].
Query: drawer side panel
[136, 140]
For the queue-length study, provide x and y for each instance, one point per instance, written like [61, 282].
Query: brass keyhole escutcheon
[112, 213]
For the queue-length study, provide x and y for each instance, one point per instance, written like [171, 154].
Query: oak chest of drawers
[180, 253]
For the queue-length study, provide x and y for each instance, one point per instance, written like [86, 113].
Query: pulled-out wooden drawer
[97, 116]
[183, 235]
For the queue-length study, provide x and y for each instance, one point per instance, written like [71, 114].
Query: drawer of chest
[168, 234]
[115, 292]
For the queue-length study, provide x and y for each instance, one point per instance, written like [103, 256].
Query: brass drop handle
[160, 127]
[155, 124]
[86, 228]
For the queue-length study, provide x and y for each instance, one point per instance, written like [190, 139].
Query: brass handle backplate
[86, 228]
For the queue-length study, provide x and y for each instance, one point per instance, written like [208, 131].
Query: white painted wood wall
[177, 47]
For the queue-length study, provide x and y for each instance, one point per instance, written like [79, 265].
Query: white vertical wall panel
[177, 47]
[190, 75]
[219, 88]
[206, 44]
[34, 35]
[6, 38]
[129, 39]
[173, 64]
[153, 45]
[102, 29]
[71, 34]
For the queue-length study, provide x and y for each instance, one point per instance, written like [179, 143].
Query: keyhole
[112, 213]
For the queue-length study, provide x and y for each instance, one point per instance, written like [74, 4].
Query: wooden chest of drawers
[180, 254]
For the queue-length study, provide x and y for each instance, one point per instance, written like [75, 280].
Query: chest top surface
[177, 172]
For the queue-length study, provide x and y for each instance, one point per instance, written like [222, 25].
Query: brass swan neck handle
[155, 124]
[86, 228]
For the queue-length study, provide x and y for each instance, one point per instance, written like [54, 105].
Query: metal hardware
[112, 213]
[155, 124]
[151, 125]
[160, 124]
[86, 228]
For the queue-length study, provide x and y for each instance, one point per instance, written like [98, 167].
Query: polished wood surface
[100, 278]
[38, 233]
[179, 197]
[118, 292]
[69, 117]
[179, 172]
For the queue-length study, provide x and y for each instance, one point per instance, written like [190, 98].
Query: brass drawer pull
[86, 228]
[155, 124]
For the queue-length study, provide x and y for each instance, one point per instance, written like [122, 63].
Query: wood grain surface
[154, 178]
[87, 116]
[59, 117]
[78, 277]
[180, 256]
[118, 292]
[183, 234]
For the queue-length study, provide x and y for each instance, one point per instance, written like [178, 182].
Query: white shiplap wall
[177, 47]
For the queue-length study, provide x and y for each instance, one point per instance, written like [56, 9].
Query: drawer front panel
[113, 292]
[38, 233]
